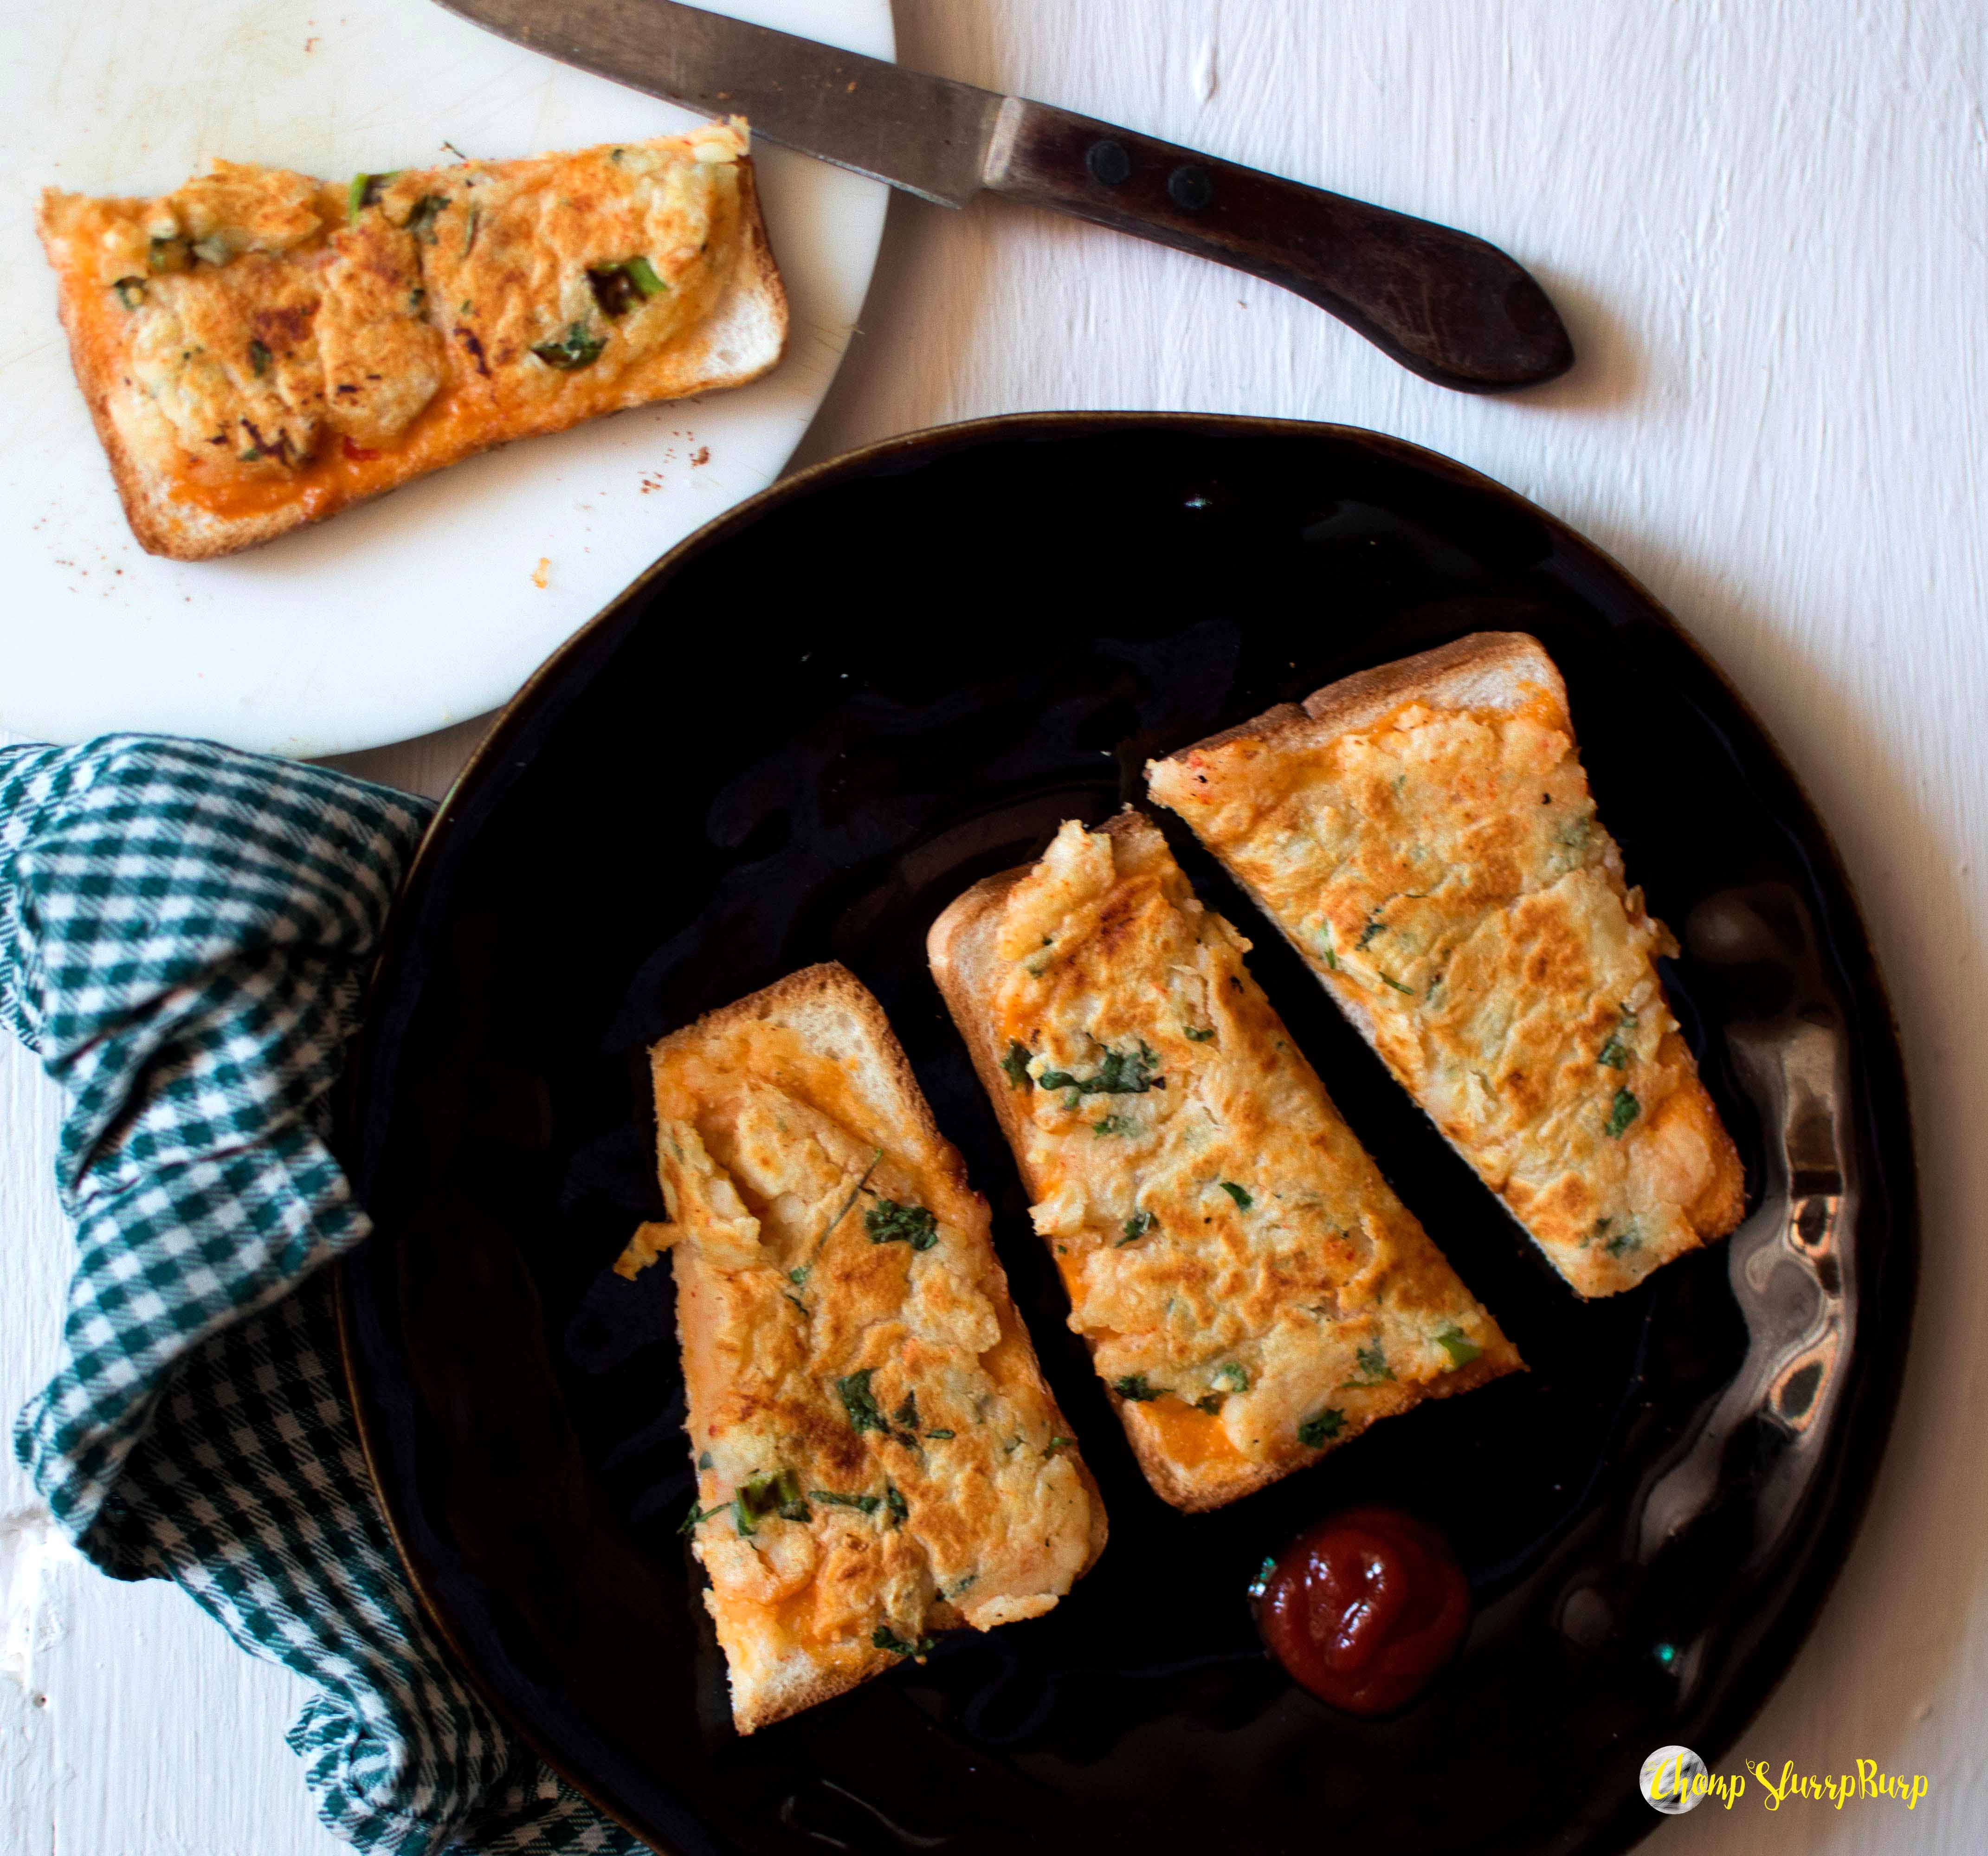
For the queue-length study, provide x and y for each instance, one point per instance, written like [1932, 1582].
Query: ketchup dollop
[1364, 1608]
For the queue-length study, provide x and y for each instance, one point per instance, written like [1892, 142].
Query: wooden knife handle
[1449, 307]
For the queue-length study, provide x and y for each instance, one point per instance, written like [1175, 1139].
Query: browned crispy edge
[830, 979]
[186, 533]
[959, 948]
[1437, 676]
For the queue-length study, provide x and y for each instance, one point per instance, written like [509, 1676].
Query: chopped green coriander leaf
[704, 1459]
[798, 1276]
[1243, 1201]
[420, 219]
[941, 1436]
[1629, 1238]
[642, 275]
[907, 1414]
[1016, 1063]
[1326, 946]
[868, 1504]
[697, 1514]
[853, 1390]
[1614, 1054]
[1232, 1376]
[1373, 1365]
[258, 360]
[1120, 1073]
[888, 1222]
[1622, 1112]
[1115, 1124]
[1375, 926]
[1198, 1034]
[884, 1638]
[1137, 1226]
[1133, 1387]
[1461, 1350]
[578, 347]
[842, 1211]
[1321, 1427]
[894, 1504]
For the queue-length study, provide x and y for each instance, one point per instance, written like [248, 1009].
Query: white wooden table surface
[1768, 226]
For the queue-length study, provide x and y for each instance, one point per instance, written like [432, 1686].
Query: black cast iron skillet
[798, 737]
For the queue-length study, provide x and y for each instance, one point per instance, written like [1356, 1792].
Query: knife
[1446, 306]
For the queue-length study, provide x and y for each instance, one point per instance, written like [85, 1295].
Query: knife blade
[1445, 305]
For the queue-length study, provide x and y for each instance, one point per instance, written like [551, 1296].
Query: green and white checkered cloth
[184, 932]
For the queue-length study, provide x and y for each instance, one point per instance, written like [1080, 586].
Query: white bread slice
[787, 1123]
[175, 503]
[1357, 1252]
[1311, 811]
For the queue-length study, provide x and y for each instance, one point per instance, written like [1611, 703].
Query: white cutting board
[424, 608]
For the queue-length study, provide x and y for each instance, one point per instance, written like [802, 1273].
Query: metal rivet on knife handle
[1190, 188]
[1109, 163]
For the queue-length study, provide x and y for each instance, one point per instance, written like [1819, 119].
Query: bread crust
[741, 340]
[1482, 671]
[960, 947]
[828, 1001]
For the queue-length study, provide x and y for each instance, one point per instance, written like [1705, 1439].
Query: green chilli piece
[1461, 1349]
[618, 288]
[578, 347]
[1321, 1427]
[365, 191]
[776, 1492]
[1623, 1110]
[130, 291]
[1243, 1201]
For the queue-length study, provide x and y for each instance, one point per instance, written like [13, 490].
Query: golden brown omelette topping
[1443, 872]
[1244, 1275]
[883, 1458]
[296, 341]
